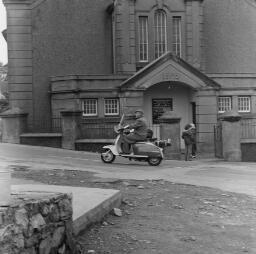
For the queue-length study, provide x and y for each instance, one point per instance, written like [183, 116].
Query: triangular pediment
[168, 68]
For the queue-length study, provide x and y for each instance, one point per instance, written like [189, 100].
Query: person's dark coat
[187, 136]
[140, 127]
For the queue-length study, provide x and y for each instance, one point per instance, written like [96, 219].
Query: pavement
[239, 177]
[89, 204]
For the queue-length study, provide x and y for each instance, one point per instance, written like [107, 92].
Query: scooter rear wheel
[154, 161]
[107, 156]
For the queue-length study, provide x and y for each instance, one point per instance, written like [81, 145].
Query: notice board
[159, 106]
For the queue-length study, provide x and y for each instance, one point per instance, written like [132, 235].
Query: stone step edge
[97, 213]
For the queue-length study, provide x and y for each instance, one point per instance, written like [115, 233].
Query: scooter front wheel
[107, 156]
[154, 161]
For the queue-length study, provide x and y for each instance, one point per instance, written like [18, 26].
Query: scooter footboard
[112, 148]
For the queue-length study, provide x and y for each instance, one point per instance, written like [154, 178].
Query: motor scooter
[149, 150]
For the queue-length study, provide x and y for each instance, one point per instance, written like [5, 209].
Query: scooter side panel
[148, 149]
[112, 149]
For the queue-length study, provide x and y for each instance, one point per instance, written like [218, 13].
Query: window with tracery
[143, 39]
[160, 33]
[176, 43]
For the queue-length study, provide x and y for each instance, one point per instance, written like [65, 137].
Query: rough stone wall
[37, 224]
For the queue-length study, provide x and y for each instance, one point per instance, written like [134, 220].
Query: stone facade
[62, 53]
[37, 223]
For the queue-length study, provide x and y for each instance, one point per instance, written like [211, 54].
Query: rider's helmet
[139, 110]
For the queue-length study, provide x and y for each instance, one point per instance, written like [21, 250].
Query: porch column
[14, 123]
[70, 128]
[231, 136]
[170, 128]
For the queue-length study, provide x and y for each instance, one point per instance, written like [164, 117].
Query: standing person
[139, 133]
[188, 140]
[193, 134]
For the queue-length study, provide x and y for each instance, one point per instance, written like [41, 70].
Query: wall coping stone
[71, 113]
[230, 116]
[41, 135]
[169, 117]
[99, 140]
[13, 112]
[88, 77]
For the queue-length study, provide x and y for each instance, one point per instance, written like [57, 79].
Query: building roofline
[161, 60]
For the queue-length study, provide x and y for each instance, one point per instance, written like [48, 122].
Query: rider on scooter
[140, 127]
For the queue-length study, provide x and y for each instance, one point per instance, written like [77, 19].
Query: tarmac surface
[237, 177]
[91, 204]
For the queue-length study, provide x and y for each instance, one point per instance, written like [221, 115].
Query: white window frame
[143, 38]
[224, 103]
[112, 108]
[160, 31]
[95, 102]
[177, 40]
[244, 104]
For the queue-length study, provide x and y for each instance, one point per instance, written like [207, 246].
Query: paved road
[236, 177]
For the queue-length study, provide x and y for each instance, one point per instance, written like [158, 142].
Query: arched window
[160, 33]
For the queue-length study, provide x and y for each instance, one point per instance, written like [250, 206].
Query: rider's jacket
[140, 127]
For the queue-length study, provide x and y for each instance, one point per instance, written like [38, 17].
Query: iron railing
[248, 128]
[88, 130]
[106, 131]
[45, 126]
[97, 131]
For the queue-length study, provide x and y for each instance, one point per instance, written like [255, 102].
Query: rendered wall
[68, 39]
[230, 36]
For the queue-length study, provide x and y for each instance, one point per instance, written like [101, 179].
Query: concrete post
[231, 136]
[14, 123]
[5, 183]
[170, 128]
[70, 128]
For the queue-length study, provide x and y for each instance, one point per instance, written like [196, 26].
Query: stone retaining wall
[37, 223]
